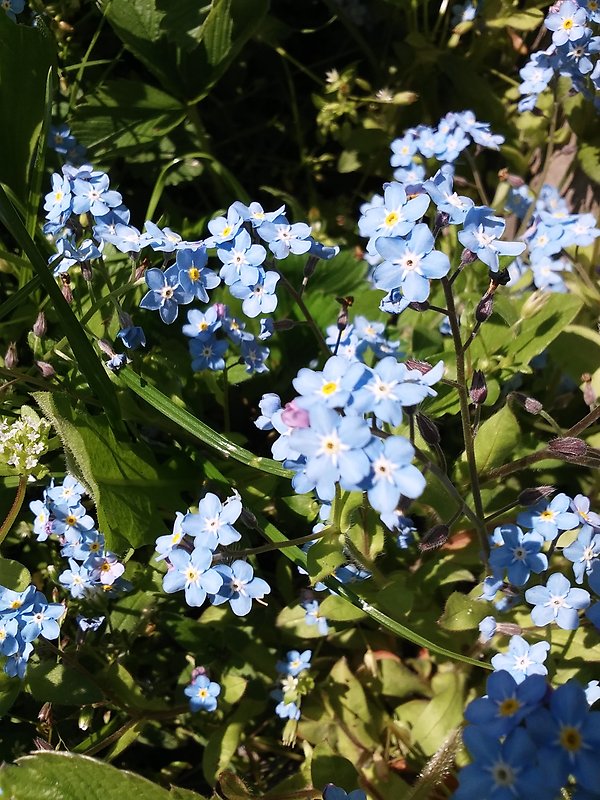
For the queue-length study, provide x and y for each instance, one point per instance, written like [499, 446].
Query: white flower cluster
[23, 442]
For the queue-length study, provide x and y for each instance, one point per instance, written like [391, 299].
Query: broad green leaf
[339, 610]
[496, 440]
[14, 575]
[124, 116]
[327, 764]
[64, 685]
[66, 776]
[462, 613]
[442, 714]
[26, 56]
[577, 350]
[397, 680]
[544, 325]
[121, 476]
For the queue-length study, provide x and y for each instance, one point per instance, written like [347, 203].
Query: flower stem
[463, 395]
[14, 509]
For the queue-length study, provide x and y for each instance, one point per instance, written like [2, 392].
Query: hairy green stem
[14, 509]
[463, 395]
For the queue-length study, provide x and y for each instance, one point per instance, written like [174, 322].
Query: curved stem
[14, 509]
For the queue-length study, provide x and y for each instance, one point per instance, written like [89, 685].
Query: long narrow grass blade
[37, 168]
[186, 420]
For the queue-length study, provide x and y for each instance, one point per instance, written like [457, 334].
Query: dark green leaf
[26, 56]
[111, 469]
[66, 776]
[14, 575]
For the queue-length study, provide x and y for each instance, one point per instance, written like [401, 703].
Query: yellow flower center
[391, 219]
[329, 388]
[194, 273]
[509, 707]
[570, 739]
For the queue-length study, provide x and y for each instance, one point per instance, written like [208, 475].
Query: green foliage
[22, 100]
[65, 776]
[190, 106]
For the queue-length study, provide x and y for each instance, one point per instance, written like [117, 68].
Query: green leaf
[26, 56]
[496, 440]
[85, 355]
[193, 425]
[223, 743]
[526, 20]
[327, 764]
[124, 116]
[462, 613]
[339, 610]
[217, 30]
[138, 23]
[442, 714]
[324, 557]
[66, 776]
[58, 683]
[588, 156]
[542, 327]
[121, 476]
[14, 575]
[9, 691]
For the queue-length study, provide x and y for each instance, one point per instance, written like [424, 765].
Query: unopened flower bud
[197, 671]
[508, 628]
[568, 447]
[529, 497]
[534, 304]
[284, 324]
[106, 347]
[66, 288]
[427, 429]
[295, 417]
[467, 257]
[441, 220]
[46, 369]
[45, 714]
[141, 269]
[86, 271]
[484, 308]
[530, 404]
[11, 359]
[434, 538]
[513, 180]
[478, 391]
[40, 326]
[589, 395]
[416, 306]
[422, 366]
[248, 519]
[310, 266]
